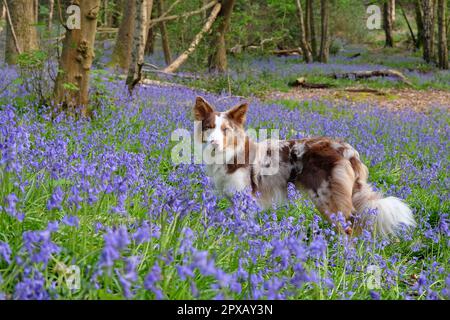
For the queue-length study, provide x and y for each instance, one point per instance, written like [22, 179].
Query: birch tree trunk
[306, 49]
[393, 10]
[22, 34]
[442, 32]
[428, 29]
[143, 12]
[121, 55]
[325, 37]
[218, 59]
[72, 83]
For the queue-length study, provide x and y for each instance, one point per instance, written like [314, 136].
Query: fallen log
[366, 90]
[301, 82]
[375, 73]
[287, 52]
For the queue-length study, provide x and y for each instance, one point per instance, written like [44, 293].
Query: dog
[328, 170]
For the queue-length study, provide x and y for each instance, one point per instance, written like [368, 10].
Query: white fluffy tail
[392, 213]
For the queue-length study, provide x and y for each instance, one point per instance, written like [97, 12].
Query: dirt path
[417, 100]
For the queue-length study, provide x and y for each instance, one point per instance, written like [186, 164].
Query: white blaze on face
[216, 135]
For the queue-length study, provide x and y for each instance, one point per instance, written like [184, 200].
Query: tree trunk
[428, 29]
[218, 59]
[206, 28]
[325, 37]
[36, 10]
[433, 23]
[442, 31]
[307, 52]
[23, 34]
[388, 22]
[143, 12]
[419, 24]
[150, 43]
[72, 83]
[106, 18]
[51, 6]
[121, 55]
[393, 10]
[164, 34]
[307, 23]
[312, 28]
[151, 35]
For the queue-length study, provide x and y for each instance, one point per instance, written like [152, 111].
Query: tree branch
[206, 28]
[167, 12]
[409, 25]
[184, 15]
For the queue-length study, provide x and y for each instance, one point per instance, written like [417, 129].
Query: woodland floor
[394, 99]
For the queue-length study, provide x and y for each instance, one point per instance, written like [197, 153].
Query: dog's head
[222, 130]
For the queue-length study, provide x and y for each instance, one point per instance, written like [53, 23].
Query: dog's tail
[390, 213]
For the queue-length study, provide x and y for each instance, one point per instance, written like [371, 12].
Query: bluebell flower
[72, 221]
[5, 252]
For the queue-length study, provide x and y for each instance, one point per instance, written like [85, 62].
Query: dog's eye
[225, 130]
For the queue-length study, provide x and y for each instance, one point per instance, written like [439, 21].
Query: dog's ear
[201, 109]
[238, 113]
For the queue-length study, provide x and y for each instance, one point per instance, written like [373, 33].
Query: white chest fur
[229, 183]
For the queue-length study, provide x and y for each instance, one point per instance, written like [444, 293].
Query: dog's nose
[215, 143]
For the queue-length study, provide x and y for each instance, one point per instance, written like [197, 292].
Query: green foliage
[32, 60]
[36, 74]
[70, 86]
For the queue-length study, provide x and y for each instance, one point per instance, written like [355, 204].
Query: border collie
[329, 171]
